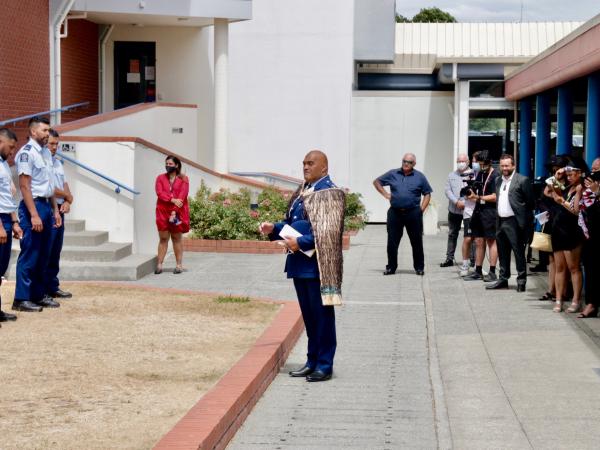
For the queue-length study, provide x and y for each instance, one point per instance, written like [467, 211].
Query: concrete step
[107, 251]
[130, 268]
[85, 238]
[74, 225]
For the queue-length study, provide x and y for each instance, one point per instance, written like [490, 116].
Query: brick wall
[24, 60]
[79, 56]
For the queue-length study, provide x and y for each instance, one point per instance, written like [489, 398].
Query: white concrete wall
[96, 201]
[291, 73]
[184, 73]
[127, 217]
[154, 125]
[385, 125]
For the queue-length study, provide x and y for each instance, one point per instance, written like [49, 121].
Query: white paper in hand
[288, 231]
[542, 217]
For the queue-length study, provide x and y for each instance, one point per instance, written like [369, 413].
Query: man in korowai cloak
[314, 261]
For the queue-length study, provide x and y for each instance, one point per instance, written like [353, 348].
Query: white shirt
[35, 161]
[7, 201]
[58, 173]
[504, 209]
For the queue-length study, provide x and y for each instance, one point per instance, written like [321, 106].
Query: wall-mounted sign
[134, 66]
[134, 77]
[150, 73]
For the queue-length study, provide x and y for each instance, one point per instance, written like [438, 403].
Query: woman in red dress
[172, 211]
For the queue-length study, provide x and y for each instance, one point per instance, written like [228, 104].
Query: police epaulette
[27, 147]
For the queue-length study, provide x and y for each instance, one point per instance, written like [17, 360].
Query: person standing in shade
[515, 204]
[456, 205]
[409, 196]
[10, 225]
[483, 220]
[319, 320]
[34, 168]
[64, 199]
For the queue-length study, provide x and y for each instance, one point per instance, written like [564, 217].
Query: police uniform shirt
[58, 176]
[406, 190]
[7, 202]
[35, 161]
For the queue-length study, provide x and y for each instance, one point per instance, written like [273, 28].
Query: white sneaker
[464, 270]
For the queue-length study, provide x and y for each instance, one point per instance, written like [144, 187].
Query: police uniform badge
[24, 157]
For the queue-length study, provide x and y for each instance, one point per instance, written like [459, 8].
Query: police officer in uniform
[319, 320]
[10, 225]
[64, 199]
[34, 167]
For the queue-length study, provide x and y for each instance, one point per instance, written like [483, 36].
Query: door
[135, 73]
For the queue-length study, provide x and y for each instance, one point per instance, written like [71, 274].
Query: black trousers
[397, 220]
[591, 266]
[454, 223]
[509, 237]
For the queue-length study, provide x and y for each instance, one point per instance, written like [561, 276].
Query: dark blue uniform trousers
[319, 321]
[35, 247]
[6, 247]
[51, 282]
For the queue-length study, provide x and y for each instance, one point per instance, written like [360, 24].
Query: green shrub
[227, 215]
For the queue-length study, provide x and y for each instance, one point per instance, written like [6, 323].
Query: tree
[433, 15]
[401, 19]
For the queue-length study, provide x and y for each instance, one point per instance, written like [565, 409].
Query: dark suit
[512, 233]
[319, 320]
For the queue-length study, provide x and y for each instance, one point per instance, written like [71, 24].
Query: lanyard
[486, 180]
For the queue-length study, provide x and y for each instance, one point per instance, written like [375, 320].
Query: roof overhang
[574, 56]
[190, 13]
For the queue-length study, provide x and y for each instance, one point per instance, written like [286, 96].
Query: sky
[506, 10]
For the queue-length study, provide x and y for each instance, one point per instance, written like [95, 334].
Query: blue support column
[525, 137]
[564, 132]
[542, 133]
[592, 128]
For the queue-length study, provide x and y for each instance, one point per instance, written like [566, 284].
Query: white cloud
[507, 10]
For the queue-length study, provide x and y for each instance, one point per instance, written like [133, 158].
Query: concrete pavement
[422, 362]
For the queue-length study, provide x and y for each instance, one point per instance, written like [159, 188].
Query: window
[486, 89]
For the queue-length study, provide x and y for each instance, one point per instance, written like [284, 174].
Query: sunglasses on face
[405, 161]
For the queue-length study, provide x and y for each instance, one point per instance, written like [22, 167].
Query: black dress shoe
[500, 284]
[389, 271]
[420, 272]
[5, 317]
[447, 263]
[520, 287]
[48, 302]
[318, 375]
[61, 294]
[26, 306]
[304, 371]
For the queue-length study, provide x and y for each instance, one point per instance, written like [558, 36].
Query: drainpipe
[55, 65]
[456, 109]
[103, 40]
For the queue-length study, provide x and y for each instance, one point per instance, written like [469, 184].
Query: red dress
[164, 208]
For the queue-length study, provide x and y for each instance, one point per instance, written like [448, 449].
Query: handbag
[541, 241]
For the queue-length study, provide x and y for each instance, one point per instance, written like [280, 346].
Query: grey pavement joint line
[442, 421]
[494, 369]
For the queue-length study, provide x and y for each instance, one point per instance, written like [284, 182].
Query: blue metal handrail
[95, 172]
[44, 113]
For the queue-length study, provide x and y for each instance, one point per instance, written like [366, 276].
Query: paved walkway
[422, 362]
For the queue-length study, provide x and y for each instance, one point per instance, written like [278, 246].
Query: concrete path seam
[493, 366]
[442, 421]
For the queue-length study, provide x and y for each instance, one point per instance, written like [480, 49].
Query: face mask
[461, 166]
[170, 169]
[476, 167]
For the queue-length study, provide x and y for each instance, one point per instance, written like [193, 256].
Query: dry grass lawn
[115, 367]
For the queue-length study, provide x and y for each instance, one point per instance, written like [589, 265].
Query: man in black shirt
[483, 222]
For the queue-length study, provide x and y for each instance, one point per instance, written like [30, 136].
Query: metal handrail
[95, 172]
[44, 113]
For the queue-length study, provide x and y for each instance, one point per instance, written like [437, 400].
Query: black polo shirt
[406, 190]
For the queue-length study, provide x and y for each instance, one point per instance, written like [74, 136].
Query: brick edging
[217, 416]
[241, 246]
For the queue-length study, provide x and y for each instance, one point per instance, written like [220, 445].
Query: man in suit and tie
[515, 205]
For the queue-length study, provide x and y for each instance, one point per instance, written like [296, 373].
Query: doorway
[135, 73]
